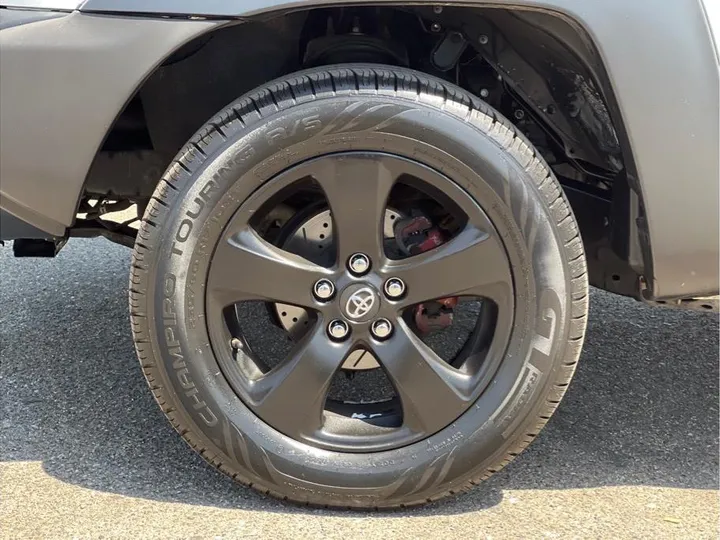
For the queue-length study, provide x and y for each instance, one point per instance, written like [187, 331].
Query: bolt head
[338, 329]
[483, 39]
[519, 114]
[435, 27]
[484, 93]
[394, 288]
[359, 264]
[381, 329]
[437, 9]
[324, 289]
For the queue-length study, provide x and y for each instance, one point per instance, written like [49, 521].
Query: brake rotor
[313, 240]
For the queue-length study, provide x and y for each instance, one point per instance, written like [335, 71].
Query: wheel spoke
[246, 267]
[357, 188]
[292, 396]
[432, 393]
[474, 263]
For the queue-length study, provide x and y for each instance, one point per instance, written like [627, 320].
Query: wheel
[358, 286]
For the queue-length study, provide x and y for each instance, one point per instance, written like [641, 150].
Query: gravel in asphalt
[85, 452]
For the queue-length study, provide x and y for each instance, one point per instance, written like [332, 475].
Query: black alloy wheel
[292, 396]
[358, 286]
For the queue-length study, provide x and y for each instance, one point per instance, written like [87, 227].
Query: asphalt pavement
[85, 452]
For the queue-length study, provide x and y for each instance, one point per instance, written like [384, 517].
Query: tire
[338, 109]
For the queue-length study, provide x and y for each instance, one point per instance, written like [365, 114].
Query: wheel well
[539, 69]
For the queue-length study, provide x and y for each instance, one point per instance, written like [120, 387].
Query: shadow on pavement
[642, 409]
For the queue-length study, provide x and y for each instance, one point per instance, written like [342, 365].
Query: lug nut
[338, 329]
[394, 287]
[324, 289]
[381, 329]
[359, 264]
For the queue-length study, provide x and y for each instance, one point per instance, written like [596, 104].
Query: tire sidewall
[250, 155]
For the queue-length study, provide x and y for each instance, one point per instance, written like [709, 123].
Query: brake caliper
[416, 235]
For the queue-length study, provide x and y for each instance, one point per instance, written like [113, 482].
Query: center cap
[360, 302]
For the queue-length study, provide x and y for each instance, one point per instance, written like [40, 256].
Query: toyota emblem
[360, 303]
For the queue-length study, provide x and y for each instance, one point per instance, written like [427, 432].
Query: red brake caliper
[416, 235]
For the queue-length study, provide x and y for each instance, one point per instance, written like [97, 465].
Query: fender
[69, 72]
